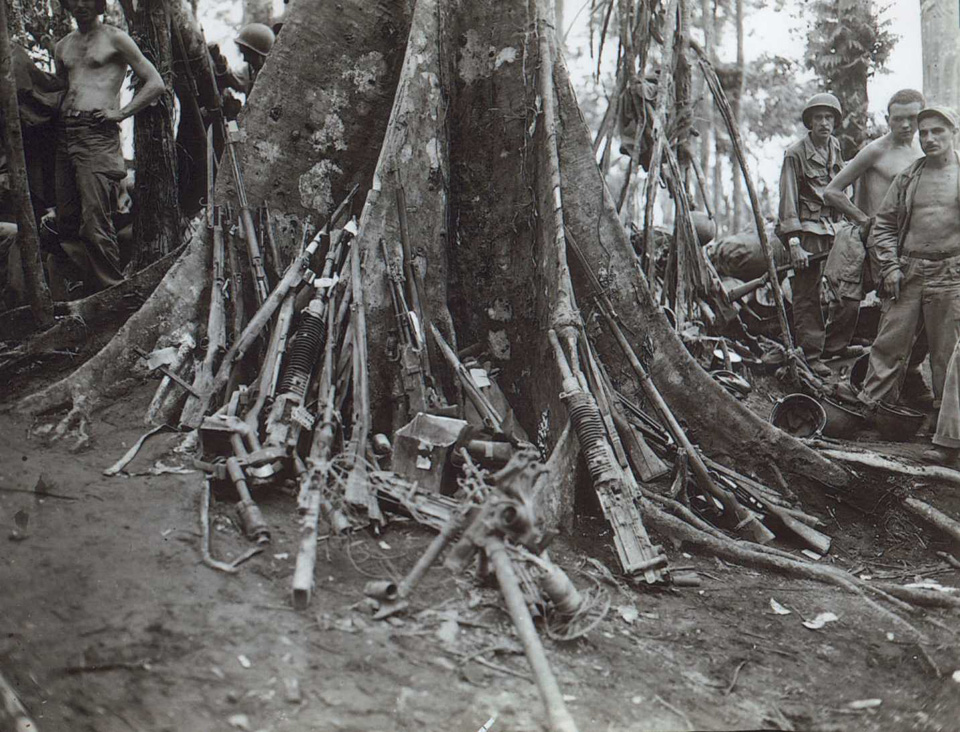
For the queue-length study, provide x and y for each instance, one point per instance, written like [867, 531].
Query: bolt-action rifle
[410, 345]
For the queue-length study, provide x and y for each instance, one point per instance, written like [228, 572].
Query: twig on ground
[736, 675]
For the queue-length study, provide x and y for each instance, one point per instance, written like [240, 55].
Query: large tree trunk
[940, 30]
[497, 165]
[38, 294]
[156, 223]
[304, 151]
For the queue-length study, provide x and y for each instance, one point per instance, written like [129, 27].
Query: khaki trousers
[929, 292]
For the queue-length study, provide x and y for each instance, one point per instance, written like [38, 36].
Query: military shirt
[803, 178]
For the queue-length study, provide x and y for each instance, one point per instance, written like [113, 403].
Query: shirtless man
[93, 60]
[874, 168]
[917, 245]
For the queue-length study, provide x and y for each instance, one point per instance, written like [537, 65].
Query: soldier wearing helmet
[807, 224]
[255, 41]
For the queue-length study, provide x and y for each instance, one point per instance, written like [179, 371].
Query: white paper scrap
[819, 621]
[778, 608]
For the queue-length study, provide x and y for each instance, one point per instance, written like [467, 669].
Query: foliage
[37, 25]
[773, 98]
[846, 45]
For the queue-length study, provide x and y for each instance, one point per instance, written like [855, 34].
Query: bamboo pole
[659, 133]
[731, 123]
[38, 294]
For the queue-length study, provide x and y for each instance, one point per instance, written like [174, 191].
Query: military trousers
[929, 293]
[88, 174]
[811, 333]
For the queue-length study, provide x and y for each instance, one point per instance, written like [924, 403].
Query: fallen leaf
[865, 703]
[448, 630]
[628, 613]
[819, 621]
[778, 608]
[239, 721]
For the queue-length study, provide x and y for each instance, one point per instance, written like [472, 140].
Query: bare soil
[110, 622]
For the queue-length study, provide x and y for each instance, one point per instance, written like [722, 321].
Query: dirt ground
[110, 622]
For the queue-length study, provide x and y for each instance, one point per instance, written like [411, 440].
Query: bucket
[799, 415]
[842, 421]
[898, 424]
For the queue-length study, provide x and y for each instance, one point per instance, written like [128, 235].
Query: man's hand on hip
[108, 115]
[798, 257]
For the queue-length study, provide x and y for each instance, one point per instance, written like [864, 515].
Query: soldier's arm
[789, 214]
[59, 68]
[152, 81]
[885, 234]
[833, 194]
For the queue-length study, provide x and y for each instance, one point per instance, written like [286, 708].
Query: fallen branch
[727, 549]
[872, 460]
[934, 516]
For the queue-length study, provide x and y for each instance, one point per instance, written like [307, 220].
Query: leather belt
[79, 114]
[932, 256]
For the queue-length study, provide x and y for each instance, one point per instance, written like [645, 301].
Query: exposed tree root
[175, 302]
[931, 515]
[921, 598]
[727, 549]
[873, 460]
[18, 324]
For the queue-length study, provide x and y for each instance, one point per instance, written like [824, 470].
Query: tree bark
[940, 33]
[706, 107]
[735, 98]
[156, 223]
[303, 153]
[38, 294]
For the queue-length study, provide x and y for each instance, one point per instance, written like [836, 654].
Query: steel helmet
[705, 226]
[824, 99]
[256, 37]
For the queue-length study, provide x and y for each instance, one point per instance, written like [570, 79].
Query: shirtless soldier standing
[874, 167]
[93, 61]
[917, 244]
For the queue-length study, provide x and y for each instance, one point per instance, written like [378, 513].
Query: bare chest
[937, 191]
[895, 161]
[90, 53]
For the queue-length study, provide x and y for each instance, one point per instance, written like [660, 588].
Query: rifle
[216, 317]
[731, 507]
[294, 275]
[488, 413]
[408, 356]
[746, 288]
[261, 286]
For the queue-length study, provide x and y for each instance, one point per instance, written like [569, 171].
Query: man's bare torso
[891, 159]
[94, 69]
[935, 221]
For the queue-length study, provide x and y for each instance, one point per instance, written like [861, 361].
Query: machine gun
[410, 343]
